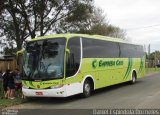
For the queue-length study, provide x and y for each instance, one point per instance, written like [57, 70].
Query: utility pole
[149, 49]
[155, 60]
[149, 62]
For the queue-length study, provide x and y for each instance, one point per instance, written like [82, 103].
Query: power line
[145, 29]
[130, 29]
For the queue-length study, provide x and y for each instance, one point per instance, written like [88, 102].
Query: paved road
[144, 94]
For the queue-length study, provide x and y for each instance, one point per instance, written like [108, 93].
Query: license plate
[39, 93]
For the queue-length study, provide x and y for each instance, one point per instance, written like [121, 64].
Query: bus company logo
[94, 64]
[103, 63]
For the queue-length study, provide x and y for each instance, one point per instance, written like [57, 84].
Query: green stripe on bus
[30, 82]
[127, 68]
[25, 83]
[141, 65]
[130, 68]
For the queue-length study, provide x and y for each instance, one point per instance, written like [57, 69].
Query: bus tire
[87, 88]
[134, 77]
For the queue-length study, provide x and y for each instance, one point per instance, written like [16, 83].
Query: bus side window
[73, 57]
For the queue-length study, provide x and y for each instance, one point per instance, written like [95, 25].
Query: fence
[4, 65]
[8, 64]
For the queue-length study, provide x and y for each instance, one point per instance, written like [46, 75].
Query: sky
[139, 18]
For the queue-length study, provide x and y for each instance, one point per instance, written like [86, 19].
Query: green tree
[30, 18]
[153, 55]
[97, 24]
[22, 19]
[1, 5]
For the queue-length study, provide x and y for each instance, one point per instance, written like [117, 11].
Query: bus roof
[100, 37]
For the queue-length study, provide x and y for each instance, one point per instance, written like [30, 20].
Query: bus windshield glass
[44, 59]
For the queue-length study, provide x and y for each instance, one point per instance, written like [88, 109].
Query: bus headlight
[25, 87]
[57, 86]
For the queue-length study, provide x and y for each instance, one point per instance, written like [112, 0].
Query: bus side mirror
[67, 51]
[20, 59]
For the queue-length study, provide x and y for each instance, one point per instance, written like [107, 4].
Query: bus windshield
[44, 59]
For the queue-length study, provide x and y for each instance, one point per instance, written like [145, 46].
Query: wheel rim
[87, 88]
[133, 79]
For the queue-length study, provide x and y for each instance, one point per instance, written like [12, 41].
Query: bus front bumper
[58, 92]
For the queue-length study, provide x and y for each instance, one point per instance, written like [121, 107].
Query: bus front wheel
[87, 88]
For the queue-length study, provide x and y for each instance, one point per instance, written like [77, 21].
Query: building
[7, 62]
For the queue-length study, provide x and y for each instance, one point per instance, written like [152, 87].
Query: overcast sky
[140, 19]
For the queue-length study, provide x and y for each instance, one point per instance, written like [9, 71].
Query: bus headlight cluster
[25, 87]
[57, 86]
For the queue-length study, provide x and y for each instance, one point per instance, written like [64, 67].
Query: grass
[152, 70]
[8, 102]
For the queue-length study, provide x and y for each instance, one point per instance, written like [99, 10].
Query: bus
[63, 65]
